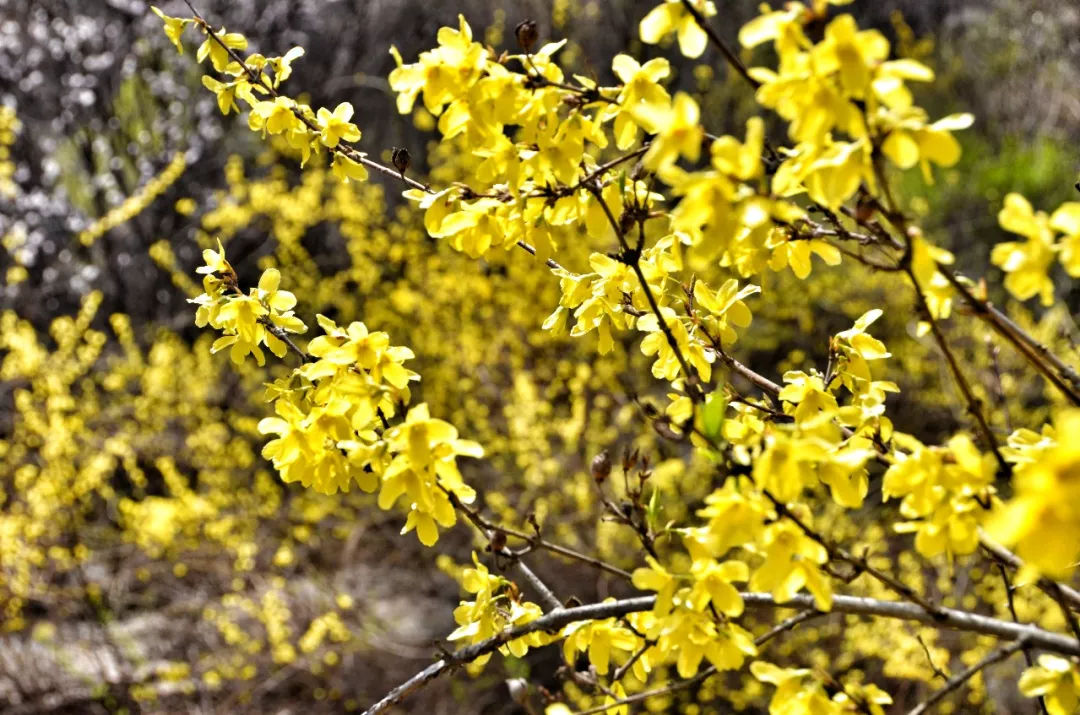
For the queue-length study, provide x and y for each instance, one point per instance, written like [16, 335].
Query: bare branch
[1024, 635]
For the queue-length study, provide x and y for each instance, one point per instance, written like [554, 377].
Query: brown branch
[956, 681]
[551, 601]
[1066, 597]
[533, 540]
[973, 402]
[1025, 635]
[1064, 377]
[731, 57]
[1011, 602]
[632, 257]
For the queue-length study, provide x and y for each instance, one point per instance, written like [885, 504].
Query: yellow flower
[282, 66]
[226, 92]
[336, 126]
[740, 160]
[424, 466]
[219, 55]
[347, 169]
[725, 308]
[1026, 263]
[495, 608]
[599, 639]
[443, 73]
[792, 561]
[174, 28]
[690, 636]
[1055, 679]
[911, 141]
[733, 519]
[676, 127]
[1042, 520]
[793, 696]
[712, 584]
[274, 116]
[672, 16]
[1066, 219]
[667, 364]
[830, 173]
[851, 53]
[215, 262]
[657, 578]
[306, 448]
[640, 86]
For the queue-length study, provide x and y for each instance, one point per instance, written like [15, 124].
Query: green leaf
[712, 415]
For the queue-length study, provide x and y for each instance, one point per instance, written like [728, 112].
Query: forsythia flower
[792, 561]
[1067, 220]
[336, 126]
[497, 606]
[425, 466]
[219, 51]
[690, 636]
[442, 73]
[1042, 520]
[1026, 263]
[174, 28]
[913, 141]
[640, 86]
[795, 696]
[677, 130]
[943, 489]
[247, 320]
[1056, 680]
[671, 16]
[306, 448]
[667, 365]
[599, 639]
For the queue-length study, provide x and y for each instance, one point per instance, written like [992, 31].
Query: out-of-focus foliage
[152, 557]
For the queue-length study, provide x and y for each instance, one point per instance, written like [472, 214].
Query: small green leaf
[654, 508]
[712, 415]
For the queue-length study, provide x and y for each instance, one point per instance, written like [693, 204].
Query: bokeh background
[151, 560]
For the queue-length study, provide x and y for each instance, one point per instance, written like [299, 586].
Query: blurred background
[151, 560]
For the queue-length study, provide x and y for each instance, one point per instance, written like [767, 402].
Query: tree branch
[959, 679]
[1025, 635]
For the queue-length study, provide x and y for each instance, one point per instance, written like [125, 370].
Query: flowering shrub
[741, 492]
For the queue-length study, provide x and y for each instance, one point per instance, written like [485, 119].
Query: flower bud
[526, 34]
[601, 466]
[401, 158]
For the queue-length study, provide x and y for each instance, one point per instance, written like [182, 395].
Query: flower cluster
[497, 605]
[1042, 520]
[1026, 263]
[256, 81]
[332, 426]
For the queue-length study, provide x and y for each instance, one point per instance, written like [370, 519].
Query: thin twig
[632, 257]
[533, 540]
[956, 681]
[731, 57]
[861, 564]
[551, 601]
[1063, 376]
[929, 659]
[974, 407]
[1028, 658]
[1066, 597]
